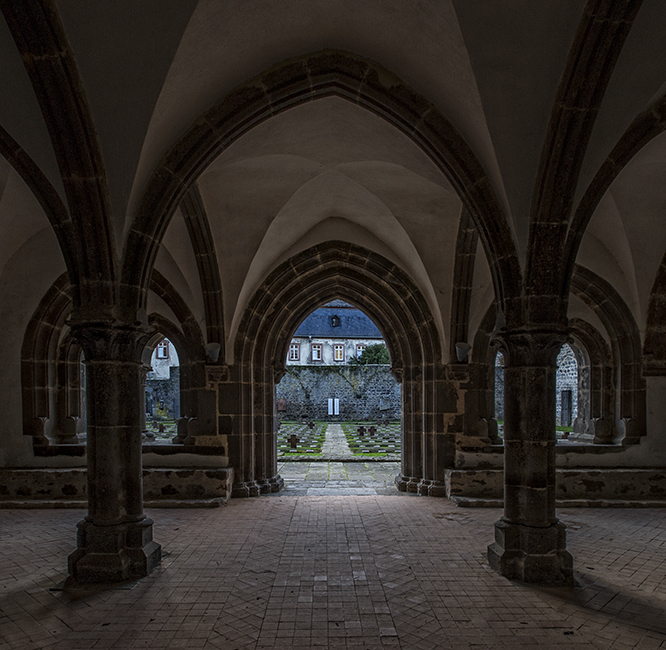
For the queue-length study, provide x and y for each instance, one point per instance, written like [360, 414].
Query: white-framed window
[338, 352]
[359, 349]
[163, 349]
[316, 352]
[295, 352]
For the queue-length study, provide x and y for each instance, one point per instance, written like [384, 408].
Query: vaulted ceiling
[331, 169]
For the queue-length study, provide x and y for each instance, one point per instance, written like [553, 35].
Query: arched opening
[621, 397]
[53, 377]
[162, 391]
[335, 270]
[338, 405]
[566, 391]
[566, 398]
[498, 375]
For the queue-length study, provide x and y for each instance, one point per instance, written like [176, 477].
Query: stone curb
[341, 459]
[476, 502]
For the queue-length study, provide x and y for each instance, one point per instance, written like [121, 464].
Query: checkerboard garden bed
[382, 441]
[310, 440]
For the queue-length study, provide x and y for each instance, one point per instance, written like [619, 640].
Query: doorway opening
[162, 392]
[338, 406]
[312, 278]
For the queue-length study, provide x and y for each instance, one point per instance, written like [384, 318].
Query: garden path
[336, 445]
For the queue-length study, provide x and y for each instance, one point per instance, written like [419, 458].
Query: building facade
[332, 335]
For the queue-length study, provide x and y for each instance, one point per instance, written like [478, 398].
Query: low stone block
[68, 487]
[580, 485]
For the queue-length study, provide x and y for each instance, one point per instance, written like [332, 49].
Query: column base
[431, 488]
[276, 483]
[407, 483]
[245, 489]
[270, 485]
[533, 555]
[117, 553]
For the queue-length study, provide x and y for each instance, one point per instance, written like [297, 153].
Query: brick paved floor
[351, 572]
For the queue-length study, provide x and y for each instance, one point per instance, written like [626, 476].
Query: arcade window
[338, 352]
[359, 350]
[295, 352]
[316, 351]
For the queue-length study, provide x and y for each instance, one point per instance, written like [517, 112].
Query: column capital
[111, 340]
[531, 346]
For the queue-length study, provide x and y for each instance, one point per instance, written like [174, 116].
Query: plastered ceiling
[329, 169]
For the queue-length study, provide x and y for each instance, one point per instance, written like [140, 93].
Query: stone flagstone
[336, 446]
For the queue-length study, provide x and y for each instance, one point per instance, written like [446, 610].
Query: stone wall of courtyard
[566, 380]
[164, 394]
[364, 393]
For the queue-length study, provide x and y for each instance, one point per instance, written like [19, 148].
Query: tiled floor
[364, 572]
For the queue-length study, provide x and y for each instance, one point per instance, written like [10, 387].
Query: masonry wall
[365, 393]
[566, 379]
[166, 392]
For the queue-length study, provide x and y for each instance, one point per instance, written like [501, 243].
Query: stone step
[472, 502]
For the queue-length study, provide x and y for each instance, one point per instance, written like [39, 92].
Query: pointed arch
[51, 66]
[645, 127]
[188, 340]
[50, 357]
[293, 290]
[296, 82]
[625, 340]
[196, 221]
[596, 387]
[38, 361]
[597, 45]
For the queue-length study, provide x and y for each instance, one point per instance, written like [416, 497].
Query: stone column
[68, 409]
[265, 468]
[530, 542]
[115, 539]
[411, 466]
[145, 369]
[442, 418]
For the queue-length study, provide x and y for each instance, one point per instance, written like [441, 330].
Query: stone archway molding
[387, 295]
[39, 354]
[596, 390]
[603, 298]
[654, 349]
[296, 82]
